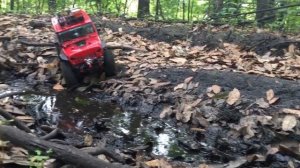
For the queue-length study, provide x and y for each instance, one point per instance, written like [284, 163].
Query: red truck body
[78, 37]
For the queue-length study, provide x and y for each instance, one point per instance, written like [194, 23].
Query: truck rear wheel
[109, 63]
[68, 73]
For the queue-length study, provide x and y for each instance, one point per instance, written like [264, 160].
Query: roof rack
[70, 17]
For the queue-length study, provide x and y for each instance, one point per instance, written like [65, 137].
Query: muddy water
[128, 130]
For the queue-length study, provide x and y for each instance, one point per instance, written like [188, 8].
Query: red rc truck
[79, 47]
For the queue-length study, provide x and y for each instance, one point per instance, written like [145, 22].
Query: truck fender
[63, 56]
[103, 44]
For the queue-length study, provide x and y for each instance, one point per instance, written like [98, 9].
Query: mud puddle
[130, 131]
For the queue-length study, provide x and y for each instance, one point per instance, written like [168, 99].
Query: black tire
[109, 63]
[68, 74]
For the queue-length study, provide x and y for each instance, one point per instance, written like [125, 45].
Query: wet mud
[134, 125]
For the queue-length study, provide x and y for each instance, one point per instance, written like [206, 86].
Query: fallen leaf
[161, 84]
[237, 163]
[188, 80]
[262, 103]
[166, 112]
[3, 143]
[233, 96]
[4, 86]
[27, 119]
[58, 87]
[30, 55]
[291, 111]
[180, 86]
[88, 140]
[216, 89]
[289, 122]
[132, 58]
[270, 94]
[187, 113]
[13, 109]
[178, 60]
[274, 100]
[158, 163]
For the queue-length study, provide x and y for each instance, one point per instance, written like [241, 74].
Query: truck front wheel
[109, 63]
[68, 74]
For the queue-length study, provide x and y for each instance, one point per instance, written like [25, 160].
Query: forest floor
[190, 96]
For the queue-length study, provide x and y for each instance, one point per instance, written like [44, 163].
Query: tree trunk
[125, 7]
[183, 10]
[265, 17]
[215, 7]
[156, 10]
[218, 5]
[143, 8]
[12, 5]
[189, 9]
[52, 6]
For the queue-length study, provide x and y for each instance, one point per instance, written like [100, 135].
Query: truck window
[75, 33]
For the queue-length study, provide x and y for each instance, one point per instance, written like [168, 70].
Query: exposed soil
[200, 35]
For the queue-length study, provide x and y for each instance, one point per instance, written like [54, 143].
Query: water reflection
[75, 112]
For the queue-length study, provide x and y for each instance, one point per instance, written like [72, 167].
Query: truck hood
[81, 48]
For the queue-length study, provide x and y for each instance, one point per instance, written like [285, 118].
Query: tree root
[68, 154]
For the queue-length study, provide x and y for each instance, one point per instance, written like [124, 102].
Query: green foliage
[38, 160]
[188, 10]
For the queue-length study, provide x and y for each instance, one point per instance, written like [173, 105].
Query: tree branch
[68, 154]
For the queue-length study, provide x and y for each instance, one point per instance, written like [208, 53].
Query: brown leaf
[233, 96]
[161, 84]
[178, 60]
[180, 86]
[188, 80]
[291, 111]
[132, 58]
[262, 103]
[13, 109]
[166, 112]
[158, 163]
[210, 95]
[274, 100]
[30, 55]
[270, 94]
[88, 140]
[216, 89]
[58, 87]
[187, 113]
[27, 119]
[289, 122]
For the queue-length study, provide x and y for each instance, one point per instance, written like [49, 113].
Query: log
[98, 150]
[51, 135]
[68, 154]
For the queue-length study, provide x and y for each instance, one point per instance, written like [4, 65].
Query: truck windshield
[75, 33]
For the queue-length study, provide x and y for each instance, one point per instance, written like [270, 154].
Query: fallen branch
[98, 150]
[68, 154]
[15, 121]
[51, 135]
